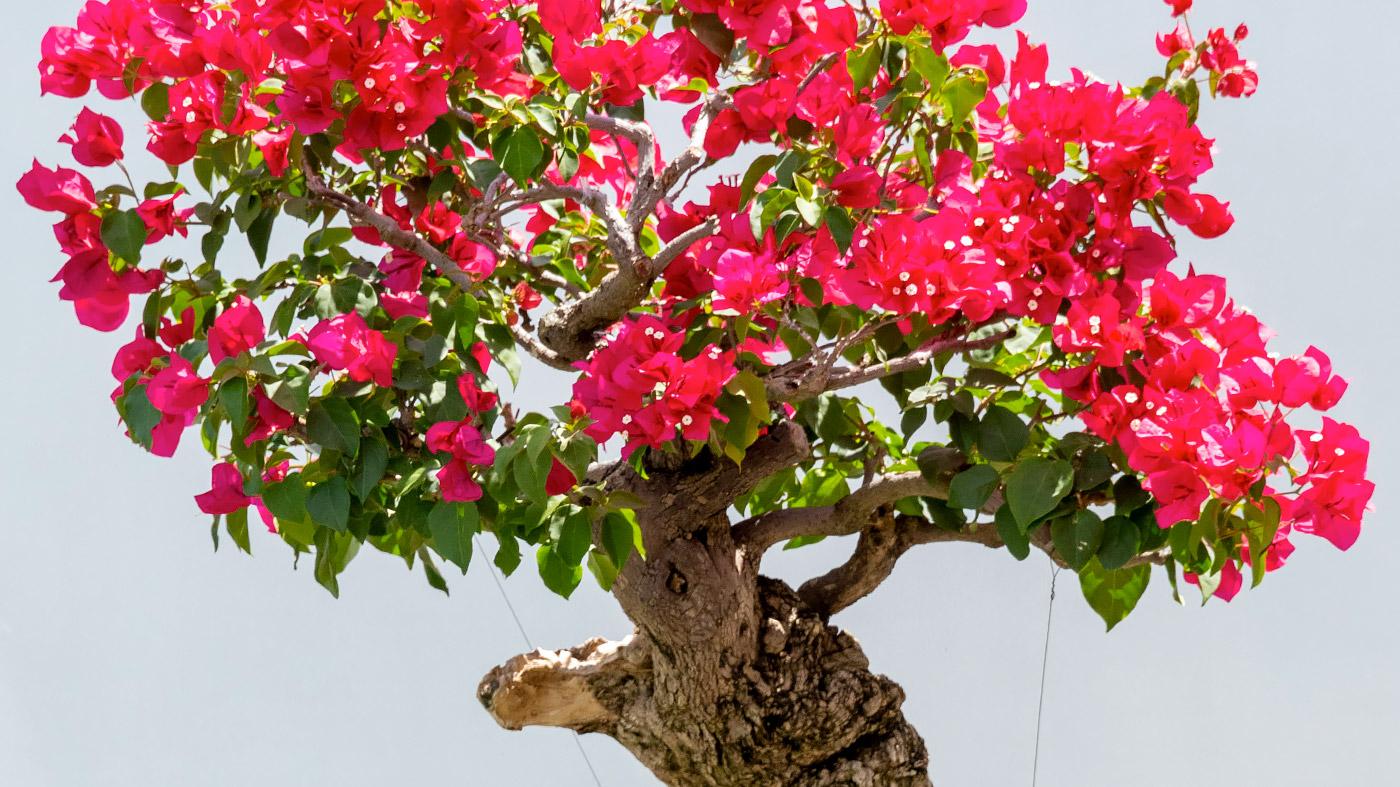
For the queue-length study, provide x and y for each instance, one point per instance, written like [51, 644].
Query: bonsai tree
[465, 185]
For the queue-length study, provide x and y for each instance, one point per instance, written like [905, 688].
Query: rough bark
[803, 710]
[730, 678]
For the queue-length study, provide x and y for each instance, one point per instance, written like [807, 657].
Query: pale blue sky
[132, 655]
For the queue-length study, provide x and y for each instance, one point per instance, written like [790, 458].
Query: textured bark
[803, 710]
[730, 678]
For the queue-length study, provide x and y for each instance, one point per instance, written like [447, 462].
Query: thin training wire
[500, 586]
[1044, 662]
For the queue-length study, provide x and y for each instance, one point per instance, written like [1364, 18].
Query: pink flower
[561, 479]
[162, 218]
[237, 329]
[477, 400]
[346, 343]
[1179, 7]
[744, 282]
[225, 495]
[275, 147]
[177, 389]
[857, 187]
[571, 19]
[62, 190]
[457, 484]
[268, 418]
[100, 296]
[96, 139]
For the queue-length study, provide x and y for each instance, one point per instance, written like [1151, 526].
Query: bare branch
[559, 688]
[388, 229]
[884, 542]
[538, 351]
[874, 558]
[682, 243]
[641, 136]
[849, 515]
[693, 156]
[796, 387]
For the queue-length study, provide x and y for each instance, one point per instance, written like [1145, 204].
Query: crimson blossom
[990, 240]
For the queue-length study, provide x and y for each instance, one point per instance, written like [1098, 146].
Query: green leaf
[937, 461]
[842, 227]
[233, 397]
[602, 568]
[1077, 538]
[930, 65]
[237, 524]
[760, 167]
[286, 499]
[328, 503]
[260, 234]
[518, 151]
[374, 460]
[557, 575]
[1113, 594]
[1035, 487]
[1121, 542]
[971, 488]
[864, 64]
[140, 415]
[155, 101]
[124, 234]
[1017, 542]
[332, 424]
[1002, 434]
[430, 570]
[1260, 530]
[452, 526]
[574, 537]
[962, 94]
[334, 551]
[619, 533]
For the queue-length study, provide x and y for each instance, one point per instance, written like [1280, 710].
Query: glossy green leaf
[328, 503]
[519, 153]
[374, 460]
[1113, 594]
[971, 488]
[1017, 542]
[332, 424]
[124, 234]
[1036, 486]
[1121, 542]
[558, 575]
[1078, 538]
[452, 526]
[1002, 434]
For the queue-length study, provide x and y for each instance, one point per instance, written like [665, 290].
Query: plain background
[132, 654]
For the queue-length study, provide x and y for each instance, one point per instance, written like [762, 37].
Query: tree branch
[814, 381]
[883, 543]
[880, 547]
[559, 688]
[849, 515]
[388, 229]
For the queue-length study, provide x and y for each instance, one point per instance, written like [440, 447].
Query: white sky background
[131, 654]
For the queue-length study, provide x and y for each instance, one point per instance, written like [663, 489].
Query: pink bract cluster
[1042, 203]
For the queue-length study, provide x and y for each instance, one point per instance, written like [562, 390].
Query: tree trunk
[730, 680]
[805, 710]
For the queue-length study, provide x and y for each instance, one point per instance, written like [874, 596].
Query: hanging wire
[1044, 663]
[500, 586]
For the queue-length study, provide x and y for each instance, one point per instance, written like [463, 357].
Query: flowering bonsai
[461, 187]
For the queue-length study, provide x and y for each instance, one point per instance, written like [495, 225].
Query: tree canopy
[472, 182]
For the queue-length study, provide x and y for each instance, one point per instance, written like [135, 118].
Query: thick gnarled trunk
[730, 679]
[805, 709]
